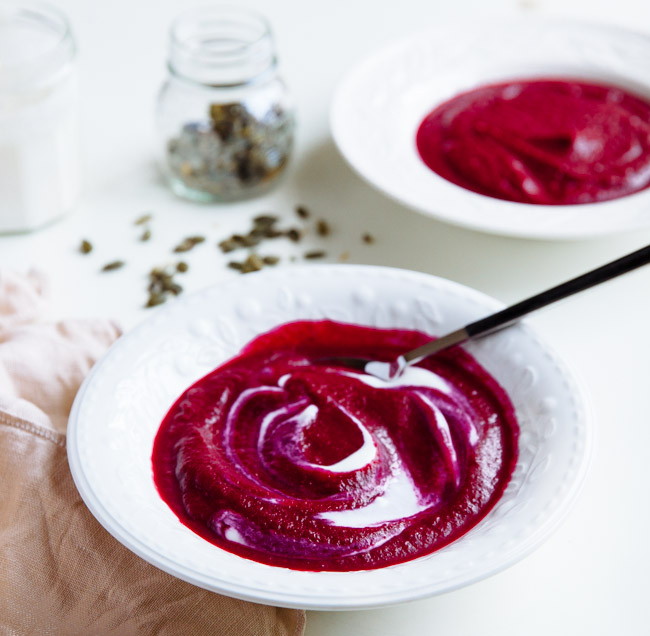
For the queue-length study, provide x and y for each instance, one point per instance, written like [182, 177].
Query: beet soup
[285, 459]
[544, 141]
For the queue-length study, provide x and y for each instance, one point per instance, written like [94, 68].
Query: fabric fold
[61, 573]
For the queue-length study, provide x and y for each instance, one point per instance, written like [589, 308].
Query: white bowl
[120, 406]
[379, 105]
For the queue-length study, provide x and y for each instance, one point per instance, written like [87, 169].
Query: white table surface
[590, 577]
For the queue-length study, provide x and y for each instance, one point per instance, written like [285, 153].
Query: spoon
[500, 319]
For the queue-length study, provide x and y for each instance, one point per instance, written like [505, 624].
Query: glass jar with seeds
[224, 113]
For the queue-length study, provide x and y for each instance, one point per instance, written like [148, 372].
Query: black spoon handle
[596, 276]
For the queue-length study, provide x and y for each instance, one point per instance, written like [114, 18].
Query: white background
[591, 576]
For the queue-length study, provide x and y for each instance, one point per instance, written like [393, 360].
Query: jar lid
[36, 46]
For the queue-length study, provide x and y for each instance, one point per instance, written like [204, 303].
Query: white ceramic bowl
[120, 406]
[379, 105]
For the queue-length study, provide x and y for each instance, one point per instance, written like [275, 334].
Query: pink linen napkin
[61, 573]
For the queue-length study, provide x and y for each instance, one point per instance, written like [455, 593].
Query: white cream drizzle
[232, 534]
[301, 419]
[355, 461]
[411, 376]
[442, 432]
[360, 457]
[400, 499]
[397, 502]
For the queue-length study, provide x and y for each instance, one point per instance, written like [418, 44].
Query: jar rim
[42, 65]
[217, 12]
[221, 44]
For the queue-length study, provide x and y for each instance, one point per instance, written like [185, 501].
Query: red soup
[551, 142]
[284, 458]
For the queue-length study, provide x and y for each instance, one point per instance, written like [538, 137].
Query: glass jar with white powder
[39, 141]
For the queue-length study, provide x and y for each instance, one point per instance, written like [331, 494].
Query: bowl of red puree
[470, 124]
[219, 443]
[541, 141]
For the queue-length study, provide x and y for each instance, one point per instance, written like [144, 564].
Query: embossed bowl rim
[118, 409]
[380, 102]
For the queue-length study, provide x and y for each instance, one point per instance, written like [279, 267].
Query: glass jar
[224, 114]
[39, 140]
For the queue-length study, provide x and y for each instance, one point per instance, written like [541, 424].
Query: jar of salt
[224, 114]
[39, 148]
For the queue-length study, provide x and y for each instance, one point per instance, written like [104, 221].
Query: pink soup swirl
[285, 459]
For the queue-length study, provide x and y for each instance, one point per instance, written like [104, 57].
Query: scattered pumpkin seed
[263, 227]
[265, 220]
[227, 245]
[162, 284]
[109, 267]
[189, 243]
[252, 264]
[322, 227]
[245, 241]
[315, 254]
[294, 234]
[155, 299]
